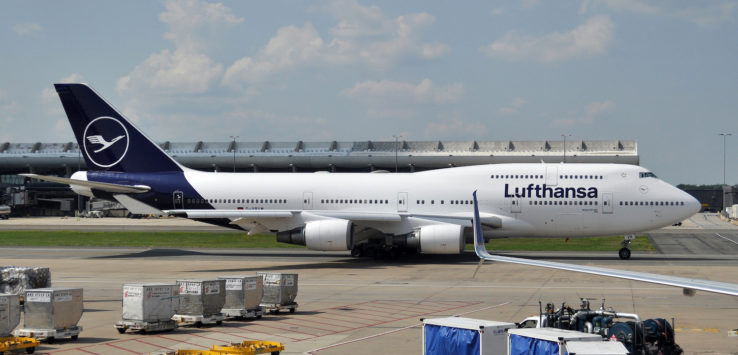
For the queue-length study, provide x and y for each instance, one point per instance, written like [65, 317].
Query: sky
[659, 72]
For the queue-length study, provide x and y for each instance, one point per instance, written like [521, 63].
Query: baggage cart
[199, 320]
[18, 343]
[243, 296]
[49, 335]
[149, 307]
[276, 308]
[145, 327]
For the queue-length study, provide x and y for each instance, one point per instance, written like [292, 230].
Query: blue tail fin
[108, 141]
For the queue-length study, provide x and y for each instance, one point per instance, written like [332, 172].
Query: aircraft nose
[692, 203]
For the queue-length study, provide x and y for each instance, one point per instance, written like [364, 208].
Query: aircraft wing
[102, 186]
[689, 285]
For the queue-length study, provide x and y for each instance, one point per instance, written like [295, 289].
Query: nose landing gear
[624, 252]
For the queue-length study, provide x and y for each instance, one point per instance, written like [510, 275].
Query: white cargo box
[596, 348]
[279, 289]
[544, 340]
[201, 297]
[52, 308]
[9, 313]
[457, 335]
[243, 292]
[152, 302]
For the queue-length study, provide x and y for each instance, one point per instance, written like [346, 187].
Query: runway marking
[726, 238]
[120, 348]
[392, 331]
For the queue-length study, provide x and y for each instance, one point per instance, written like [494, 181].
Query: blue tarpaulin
[520, 345]
[450, 341]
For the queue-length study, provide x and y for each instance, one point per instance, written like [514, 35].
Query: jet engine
[325, 235]
[440, 239]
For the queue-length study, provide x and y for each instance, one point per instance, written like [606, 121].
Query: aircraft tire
[624, 253]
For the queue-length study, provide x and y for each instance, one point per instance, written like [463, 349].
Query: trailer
[276, 308]
[243, 313]
[49, 335]
[199, 320]
[144, 327]
[249, 347]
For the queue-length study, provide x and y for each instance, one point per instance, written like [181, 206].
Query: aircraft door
[307, 200]
[178, 200]
[402, 202]
[607, 202]
[552, 175]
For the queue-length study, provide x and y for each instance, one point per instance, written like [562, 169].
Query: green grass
[641, 243]
[140, 239]
[242, 240]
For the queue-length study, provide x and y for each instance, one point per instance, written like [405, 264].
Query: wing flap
[686, 283]
[102, 186]
[232, 214]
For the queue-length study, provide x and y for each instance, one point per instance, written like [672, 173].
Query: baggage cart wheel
[75, 337]
[50, 340]
[292, 310]
[30, 350]
[143, 331]
[198, 324]
[121, 330]
[259, 316]
[275, 352]
[219, 322]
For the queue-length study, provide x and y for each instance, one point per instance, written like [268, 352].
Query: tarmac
[365, 306]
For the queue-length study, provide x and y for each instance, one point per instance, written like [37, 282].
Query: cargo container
[596, 348]
[17, 279]
[9, 313]
[51, 313]
[149, 307]
[456, 335]
[243, 296]
[200, 301]
[544, 341]
[280, 291]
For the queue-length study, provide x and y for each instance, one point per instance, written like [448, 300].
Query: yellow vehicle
[249, 347]
[18, 343]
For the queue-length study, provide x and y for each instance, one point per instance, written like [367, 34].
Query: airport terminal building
[63, 159]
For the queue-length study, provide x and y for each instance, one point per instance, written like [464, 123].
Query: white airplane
[429, 212]
[687, 284]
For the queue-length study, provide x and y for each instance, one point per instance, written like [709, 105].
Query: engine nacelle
[441, 239]
[326, 235]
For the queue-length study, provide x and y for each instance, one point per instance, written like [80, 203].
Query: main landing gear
[624, 252]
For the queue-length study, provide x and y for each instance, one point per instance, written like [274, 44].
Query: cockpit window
[647, 174]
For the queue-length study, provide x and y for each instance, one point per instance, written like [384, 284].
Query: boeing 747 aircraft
[430, 212]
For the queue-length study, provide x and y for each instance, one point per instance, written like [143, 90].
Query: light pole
[725, 135]
[565, 135]
[396, 141]
[234, 152]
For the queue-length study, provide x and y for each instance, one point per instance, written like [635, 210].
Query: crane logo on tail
[106, 141]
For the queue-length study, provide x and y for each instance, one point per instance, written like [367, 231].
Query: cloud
[591, 38]
[424, 92]
[587, 116]
[706, 14]
[27, 29]
[454, 128]
[363, 35]
[514, 107]
[187, 69]
[497, 11]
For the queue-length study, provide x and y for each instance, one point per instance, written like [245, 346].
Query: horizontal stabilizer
[102, 186]
[136, 206]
